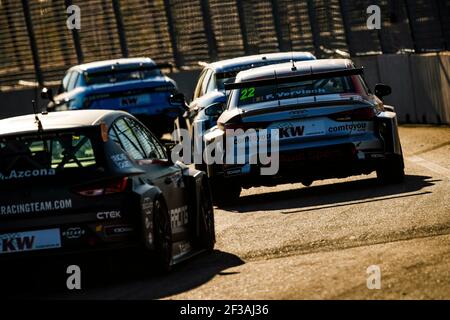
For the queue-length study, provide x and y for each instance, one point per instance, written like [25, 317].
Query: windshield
[121, 76]
[22, 158]
[301, 89]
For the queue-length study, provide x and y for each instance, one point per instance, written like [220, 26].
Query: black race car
[79, 181]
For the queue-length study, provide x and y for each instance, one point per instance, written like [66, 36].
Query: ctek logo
[109, 215]
[18, 244]
[291, 132]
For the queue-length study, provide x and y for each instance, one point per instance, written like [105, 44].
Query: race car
[210, 97]
[134, 85]
[98, 180]
[319, 121]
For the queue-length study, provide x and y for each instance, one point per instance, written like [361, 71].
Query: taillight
[361, 114]
[104, 188]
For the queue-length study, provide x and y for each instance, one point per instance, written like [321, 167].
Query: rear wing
[131, 67]
[296, 78]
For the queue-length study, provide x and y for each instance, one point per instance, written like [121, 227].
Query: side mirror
[177, 99]
[47, 94]
[215, 110]
[382, 90]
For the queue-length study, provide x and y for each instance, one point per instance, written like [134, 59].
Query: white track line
[430, 165]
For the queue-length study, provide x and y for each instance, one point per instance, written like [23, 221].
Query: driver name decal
[16, 174]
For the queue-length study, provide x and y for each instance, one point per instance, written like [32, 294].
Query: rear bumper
[69, 239]
[304, 173]
[306, 165]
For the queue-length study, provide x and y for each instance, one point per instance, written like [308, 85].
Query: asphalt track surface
[296, 242]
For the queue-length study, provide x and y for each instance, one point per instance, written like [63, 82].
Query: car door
[151, 155]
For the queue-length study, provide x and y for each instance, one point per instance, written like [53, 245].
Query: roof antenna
[36, 117]
[294, 68]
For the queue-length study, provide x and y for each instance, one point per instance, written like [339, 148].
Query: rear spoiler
[131, 67]
[296, 78]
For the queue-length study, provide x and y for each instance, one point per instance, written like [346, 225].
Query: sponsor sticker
[135, 100]
[121, 161]
[34, 207]
[179, 217]
[345, 127]
[109, 215]
[295, 129]
[30, 241]
[17, 174]
[118, 230]
[74, 233]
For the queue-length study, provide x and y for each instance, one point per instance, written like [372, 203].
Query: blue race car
[134, 85]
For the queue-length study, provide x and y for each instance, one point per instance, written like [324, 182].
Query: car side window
[65, 81]
[123, 134]
[197, 93]
[73, 80]
[364, 85]
[205, 82]
[152, 148]
[212, 83]
[80, 81]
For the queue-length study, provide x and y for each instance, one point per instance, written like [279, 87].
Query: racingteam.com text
[34, 207]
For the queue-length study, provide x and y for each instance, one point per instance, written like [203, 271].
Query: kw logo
[291, 132]
[129, 101]
[17, 244]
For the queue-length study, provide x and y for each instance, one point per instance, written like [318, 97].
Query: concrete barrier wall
[420, 85]
[14, 103]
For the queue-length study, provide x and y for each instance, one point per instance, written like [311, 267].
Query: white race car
[325, 122]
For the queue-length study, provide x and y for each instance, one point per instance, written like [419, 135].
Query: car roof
[58, 120]
[105, 65]
[301, 68]
[236, 63]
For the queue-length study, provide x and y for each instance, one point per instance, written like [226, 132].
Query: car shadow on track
[332, 195]
[124, 279]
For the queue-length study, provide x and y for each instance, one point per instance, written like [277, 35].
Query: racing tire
[392, 171]
[225, 192]
[162, 237]
[207, 232]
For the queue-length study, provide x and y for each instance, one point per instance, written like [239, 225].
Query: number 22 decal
[247, 93]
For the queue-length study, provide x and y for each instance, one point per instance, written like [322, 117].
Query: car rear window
[336, 85]
[121, 76]
[37, 156]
